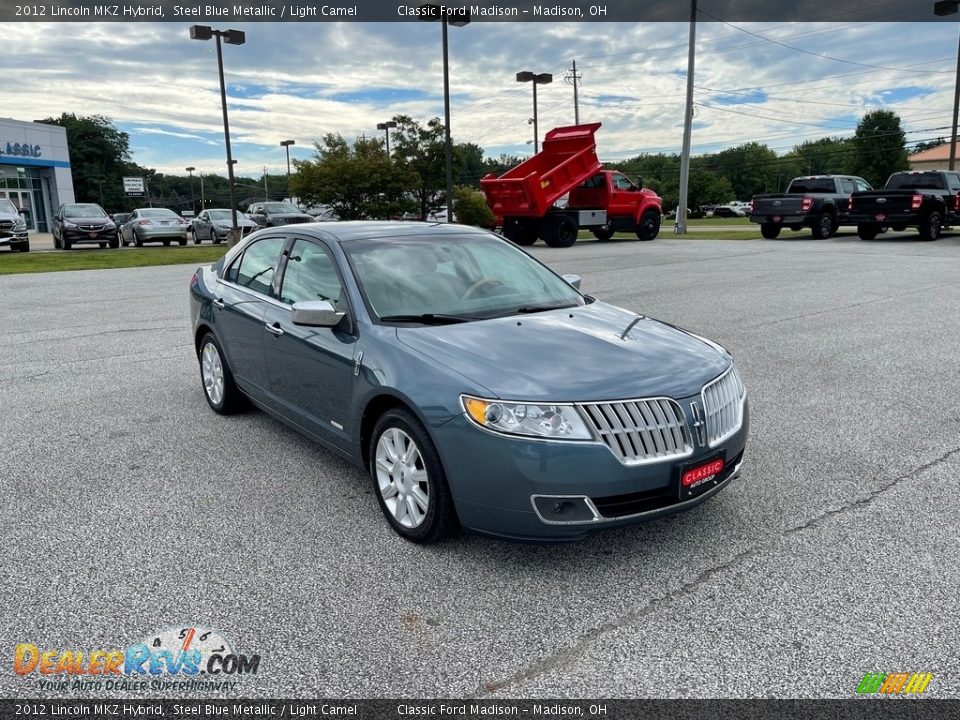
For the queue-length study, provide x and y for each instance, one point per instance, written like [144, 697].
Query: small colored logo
[180, 651]
[894, 683]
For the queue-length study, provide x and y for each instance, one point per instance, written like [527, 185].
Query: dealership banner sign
[134, 187]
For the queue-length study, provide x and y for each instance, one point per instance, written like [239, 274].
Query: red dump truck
[602, 201]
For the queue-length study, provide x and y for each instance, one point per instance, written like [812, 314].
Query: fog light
[558, 506]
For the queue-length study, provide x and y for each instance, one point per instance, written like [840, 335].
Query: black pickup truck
[928, 200]
[818, 202]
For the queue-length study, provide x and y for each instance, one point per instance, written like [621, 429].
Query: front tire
[649, 226]
[931, 225]
[408, 479]
[770, 231]
[182, 242]
[21, 247]
[196, 239]
[219, 388]
[65, 242]
[867, 232]
[114, 243]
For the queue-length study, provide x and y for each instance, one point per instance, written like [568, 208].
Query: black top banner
[225, 11]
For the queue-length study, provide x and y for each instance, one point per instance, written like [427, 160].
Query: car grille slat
[722, 402]
[639, 431]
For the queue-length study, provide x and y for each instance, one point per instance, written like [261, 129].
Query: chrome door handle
[275, 329]
[217, 303]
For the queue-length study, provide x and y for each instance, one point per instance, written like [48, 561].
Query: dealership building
[35, 169]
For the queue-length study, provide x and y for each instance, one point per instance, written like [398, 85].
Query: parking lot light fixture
[230, 37]
[193, 199]
[536, 79]
[386, 127]
[941, 9]
[441, 13]
[286, 144]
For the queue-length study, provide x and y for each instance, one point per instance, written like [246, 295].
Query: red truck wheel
[563, 233]
[521, 232]
[649, 225]
[602, 234]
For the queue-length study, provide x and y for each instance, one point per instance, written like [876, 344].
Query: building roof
[934, 154]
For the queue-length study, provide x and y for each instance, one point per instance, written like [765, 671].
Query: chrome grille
[723, 404]
[91, 228]
[6, 224]
[641, 431]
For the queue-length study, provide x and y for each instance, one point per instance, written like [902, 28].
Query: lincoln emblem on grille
[699, 426]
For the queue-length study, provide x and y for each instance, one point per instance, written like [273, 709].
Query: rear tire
[137, 240]
[182, 242]
[563, 232]
[931, 225]
[603, 234]
[403, 487]
[649, 226]
[867, 232]
[166, 243]
[520, 231]
[824, 227]
[770, 231]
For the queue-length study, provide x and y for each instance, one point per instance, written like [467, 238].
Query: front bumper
[13, 237]
[511, 487]
[80, 237]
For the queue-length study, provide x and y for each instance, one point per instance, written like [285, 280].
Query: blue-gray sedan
[476, 386]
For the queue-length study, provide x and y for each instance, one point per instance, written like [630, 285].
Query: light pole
[386, 127]
[681, 223]
[230, 37]
[286, 144]
[438, 12]
[941, 8]
[193, 199]
[541, 79]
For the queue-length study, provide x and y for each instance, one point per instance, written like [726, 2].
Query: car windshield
[158, 213]
[916, 181]
[279, 208]
[7, 207]
[453, 277]
[83, 211]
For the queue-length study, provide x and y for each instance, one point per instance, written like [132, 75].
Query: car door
[243, 295]
[312, 368]
[623, 195]
[202, 226]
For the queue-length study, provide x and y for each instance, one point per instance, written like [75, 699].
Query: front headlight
[557, 422]
[20, 226]
[69, 225]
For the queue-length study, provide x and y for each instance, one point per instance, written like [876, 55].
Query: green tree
[468, 161]
[751, 168]
[357, 181]
[499, 165]
[706, 187]
[470, 207]
[421, 150]
[98, 156]
[878, 147]
[826, 156]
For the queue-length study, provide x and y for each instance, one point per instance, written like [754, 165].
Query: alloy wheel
[402, 478]
[212, 371]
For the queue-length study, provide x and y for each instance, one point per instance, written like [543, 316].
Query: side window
[311, 274]
[953, 180]
[595, 182]
[862, 185]
[255, 269]
[621, 182]
[846, 185]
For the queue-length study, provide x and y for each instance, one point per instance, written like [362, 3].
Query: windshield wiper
[429, 319]
[526, 309]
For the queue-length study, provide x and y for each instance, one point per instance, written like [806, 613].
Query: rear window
[812, 185]
[916, 181]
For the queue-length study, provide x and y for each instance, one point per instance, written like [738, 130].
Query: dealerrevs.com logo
[181, 658]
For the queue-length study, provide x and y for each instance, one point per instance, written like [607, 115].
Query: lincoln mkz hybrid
[477, 387]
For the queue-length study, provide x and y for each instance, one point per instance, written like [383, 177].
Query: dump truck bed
[568, 157]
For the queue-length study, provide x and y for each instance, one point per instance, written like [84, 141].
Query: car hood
[594, 352]
[9, 216]
[88, 221]
[287, 216]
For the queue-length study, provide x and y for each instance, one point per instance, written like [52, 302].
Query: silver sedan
[154, 225]
[215, 225]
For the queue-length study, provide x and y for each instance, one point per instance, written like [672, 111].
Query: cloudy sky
[778, 83]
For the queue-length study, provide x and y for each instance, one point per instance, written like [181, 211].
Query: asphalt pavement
[129, 507]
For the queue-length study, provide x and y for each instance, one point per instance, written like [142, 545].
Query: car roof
[347, 230]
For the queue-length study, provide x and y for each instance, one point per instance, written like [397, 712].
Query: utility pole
[681, 226]
[572, 78]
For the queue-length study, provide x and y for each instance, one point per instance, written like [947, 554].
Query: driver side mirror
[573, 280]
[316, 313]
[639, 182]
[24, 211]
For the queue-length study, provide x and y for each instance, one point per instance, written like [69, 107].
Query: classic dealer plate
[700, 476]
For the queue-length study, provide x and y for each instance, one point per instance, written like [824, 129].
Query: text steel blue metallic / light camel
[476, 386]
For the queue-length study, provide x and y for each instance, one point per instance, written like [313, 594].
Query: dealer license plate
[699, 477]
